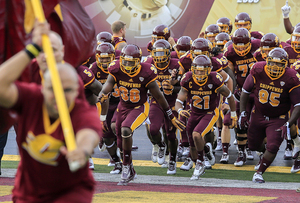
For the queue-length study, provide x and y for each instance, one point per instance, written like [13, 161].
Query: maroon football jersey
[272, 96]
[186, 62]
[257, 55]
[296, 66]
[204, 98]
[165, 74]
[242, 64]
[101, 76]
[174, 55]
[43, 171]
[257, 34]
[118, 40]
[133, 89]
[293, 56]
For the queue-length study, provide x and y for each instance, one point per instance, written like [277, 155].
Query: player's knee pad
[240, 131]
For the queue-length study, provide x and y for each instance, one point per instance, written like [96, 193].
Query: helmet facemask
[242, 49]
[103, 60]
[295, 42]
[201, 73]
[129, 64]
[276, 67]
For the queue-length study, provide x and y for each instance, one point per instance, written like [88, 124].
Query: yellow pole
[57, 86]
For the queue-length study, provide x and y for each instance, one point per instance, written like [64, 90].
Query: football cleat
[117, 169]
[225, 158]
[187, 165]
[128, 174]
[249, 154]
[179, 151]
[210, 156]
[288, 154]
[154, 154]
[198, 171]
[172, 168]
[296, 166]
[219, 144]
[241, 160]
[206, 163]
[186, 151]
[91, 164]
[166, 162]
[257, 178]
[161, 155]
[111, 163]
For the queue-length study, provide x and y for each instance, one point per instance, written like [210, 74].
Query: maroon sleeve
[294, 96]
[185, 80]
[86, 75]
[249, 83]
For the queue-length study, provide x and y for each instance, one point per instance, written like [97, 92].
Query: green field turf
[213, 173]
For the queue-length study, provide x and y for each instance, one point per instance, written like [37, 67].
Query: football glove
[185, 113]
[286, 9]
[285, 131]
[233, 119]
[243, 121]
[167, 87]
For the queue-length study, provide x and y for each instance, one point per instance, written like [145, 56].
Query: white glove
[286, 9]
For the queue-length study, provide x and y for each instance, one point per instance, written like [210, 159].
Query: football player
[211, 32]
[161, 59]
[276, 87]
[161, 32]
[225, 25]
[105, 54]
[240, 60]
[202, 86]
[133, 79]
[183, 45]
[203, 46]
[243, 20]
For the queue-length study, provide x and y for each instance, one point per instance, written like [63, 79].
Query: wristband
[232, 114]
[102, 117]
[178, 100]
[32, 50]
[178, 111]
[230, 94]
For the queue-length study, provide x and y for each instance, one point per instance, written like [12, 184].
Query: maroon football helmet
[225, 24]
[295, 39]
[211, 32]
[201, 46]
[161, 52]
[130, 59]
[221, 39]
[105, 54]
[243, 20]
[241, 41]
[160, 32]
[184, 44]
[297, 25]
[268, 42]
[277, 61]
[201, 68]
[104, 37]
[227, 44]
